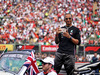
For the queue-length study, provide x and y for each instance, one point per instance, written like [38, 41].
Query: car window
[12, 62]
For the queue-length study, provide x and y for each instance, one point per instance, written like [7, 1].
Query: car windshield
[12, 62]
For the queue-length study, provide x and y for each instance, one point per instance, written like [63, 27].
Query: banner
[92, 48]
[49, 48]
[28, 47]
[4, 46]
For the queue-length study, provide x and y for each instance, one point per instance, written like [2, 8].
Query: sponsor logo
[4, 46]
[50, 48]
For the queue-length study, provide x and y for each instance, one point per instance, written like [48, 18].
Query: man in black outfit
[67, 42]
[94, 60]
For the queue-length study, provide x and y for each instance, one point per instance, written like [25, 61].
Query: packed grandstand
[36, 20]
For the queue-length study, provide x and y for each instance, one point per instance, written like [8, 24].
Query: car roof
[18, 52]
[29, 50]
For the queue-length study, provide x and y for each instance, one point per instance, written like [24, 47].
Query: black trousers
[67, 60]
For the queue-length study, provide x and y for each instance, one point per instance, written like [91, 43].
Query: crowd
[36, 21]
[43, 55]
[78, 58]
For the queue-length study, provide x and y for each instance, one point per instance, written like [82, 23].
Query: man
[67, 41]
[94, 58]
[47, 64]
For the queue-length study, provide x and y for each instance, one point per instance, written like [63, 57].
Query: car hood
[5, 73]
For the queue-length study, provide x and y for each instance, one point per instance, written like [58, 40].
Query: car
[11, 63]
[29, 50]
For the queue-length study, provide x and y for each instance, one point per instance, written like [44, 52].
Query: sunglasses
[68, 18]
[44, 63]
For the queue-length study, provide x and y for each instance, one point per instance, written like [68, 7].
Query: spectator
[99, 58]
[76, 58]
[94, 60]
[44, 55]
[99, 41]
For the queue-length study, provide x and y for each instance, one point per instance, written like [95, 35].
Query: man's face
[45, 67]
[95, 54]
[68, 19]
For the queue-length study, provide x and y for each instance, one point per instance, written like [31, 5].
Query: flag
[31, 64]
[4, 51]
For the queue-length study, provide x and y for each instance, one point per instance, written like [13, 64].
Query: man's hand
[66, 34]
[75, 41]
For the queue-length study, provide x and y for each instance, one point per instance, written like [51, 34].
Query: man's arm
[58, 30]
[74, 40]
